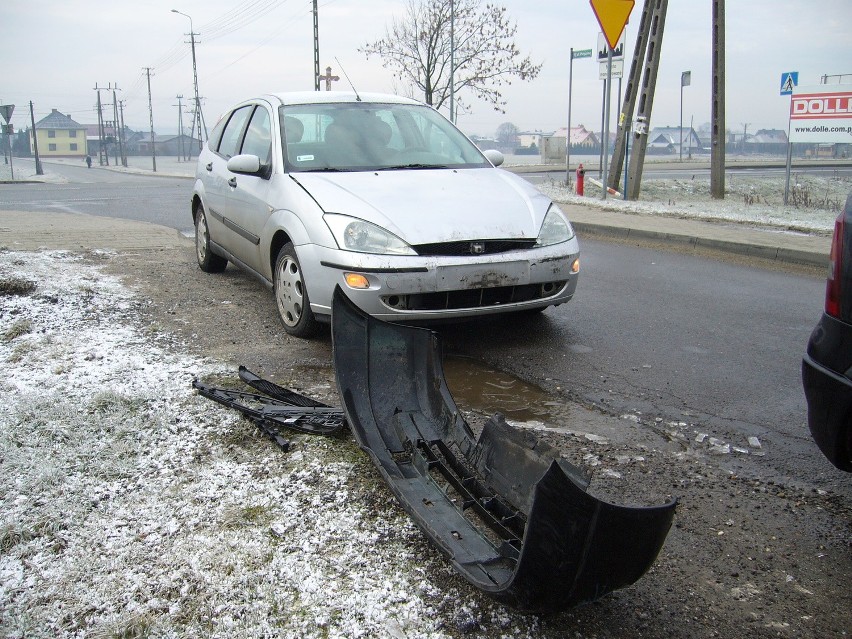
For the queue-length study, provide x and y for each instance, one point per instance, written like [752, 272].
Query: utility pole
[121, 111]
[199, 117]
[180, 127]
[745, 132]
[316, 49]
[119, 133]
[452, 62]
[101, 151]
[685, 81]
[39, 169]
[151, 117]
[625, 120]
[717, 111]
[646, 98]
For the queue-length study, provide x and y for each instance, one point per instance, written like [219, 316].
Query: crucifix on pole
[329, 78]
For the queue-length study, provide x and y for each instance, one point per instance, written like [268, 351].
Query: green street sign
[581, 53]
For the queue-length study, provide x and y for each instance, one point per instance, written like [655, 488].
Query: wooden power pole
[151, 118]
[717, 115]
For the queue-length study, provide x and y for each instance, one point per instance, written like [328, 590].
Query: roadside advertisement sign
[821, 114]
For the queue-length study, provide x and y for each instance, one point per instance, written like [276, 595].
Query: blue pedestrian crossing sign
[789, 81]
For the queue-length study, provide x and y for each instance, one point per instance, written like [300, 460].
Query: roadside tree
[416, 48]
[507, 136]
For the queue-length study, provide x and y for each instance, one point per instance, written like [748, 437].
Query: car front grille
[473, 247]
[473, 298]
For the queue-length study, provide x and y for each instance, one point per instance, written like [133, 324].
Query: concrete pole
[39, 169]
[717, 149]
[151, 117]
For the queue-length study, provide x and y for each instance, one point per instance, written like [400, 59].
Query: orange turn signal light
[575, 266]
[356, 280]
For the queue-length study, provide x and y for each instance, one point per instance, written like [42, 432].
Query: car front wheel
[208, 261]
[291, 295]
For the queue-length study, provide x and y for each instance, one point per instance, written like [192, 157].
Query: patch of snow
[748, 200]
[133, 507]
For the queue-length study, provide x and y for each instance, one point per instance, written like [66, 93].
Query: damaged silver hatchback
[383, 196]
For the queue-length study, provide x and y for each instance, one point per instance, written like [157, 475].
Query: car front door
[246, 208]
[215, 175]
[241, 200]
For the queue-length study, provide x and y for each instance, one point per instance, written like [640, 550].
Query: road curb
[767, 252]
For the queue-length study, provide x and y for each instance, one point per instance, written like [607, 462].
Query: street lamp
[685, 80]
[198, 118]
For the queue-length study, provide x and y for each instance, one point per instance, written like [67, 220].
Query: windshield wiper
[397, 167]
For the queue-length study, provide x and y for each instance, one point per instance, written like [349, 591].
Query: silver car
[382, 196]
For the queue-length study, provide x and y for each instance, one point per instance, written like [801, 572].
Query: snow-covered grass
[131, 507]
[813, 203]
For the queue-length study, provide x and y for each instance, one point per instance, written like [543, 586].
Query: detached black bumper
[514, 519]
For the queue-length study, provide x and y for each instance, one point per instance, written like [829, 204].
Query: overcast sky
[54, 53]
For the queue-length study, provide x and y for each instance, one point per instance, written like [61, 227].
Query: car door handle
[232, 182]
[209, 166]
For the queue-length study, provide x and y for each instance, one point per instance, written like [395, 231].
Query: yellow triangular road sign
[612, 15]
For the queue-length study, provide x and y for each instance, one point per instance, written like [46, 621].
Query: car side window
[233, 133]
[216, 134]
[258, 139]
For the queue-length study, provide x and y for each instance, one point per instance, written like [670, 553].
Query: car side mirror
[248, 165]
[494, 156]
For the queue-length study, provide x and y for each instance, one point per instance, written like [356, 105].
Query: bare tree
[417, 49]
[507, 136]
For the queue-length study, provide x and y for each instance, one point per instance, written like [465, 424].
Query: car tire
[291, 294]
[208, 261]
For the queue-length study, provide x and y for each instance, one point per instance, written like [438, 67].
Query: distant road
[674, 170]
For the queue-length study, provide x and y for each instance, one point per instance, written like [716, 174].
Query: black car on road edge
[827, 364]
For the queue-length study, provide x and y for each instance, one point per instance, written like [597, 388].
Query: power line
[232, 21]
[284, 27]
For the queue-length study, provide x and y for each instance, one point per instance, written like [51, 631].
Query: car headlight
[352, 234]
[555, 229]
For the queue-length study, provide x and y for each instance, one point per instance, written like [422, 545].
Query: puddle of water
[486, 390]
[480, 388]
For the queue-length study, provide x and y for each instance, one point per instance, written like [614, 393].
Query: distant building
[59, 136]
[767, 141]
[667, 140]
[140, 144]
[483, 143]
[583, 141]
[530, 139]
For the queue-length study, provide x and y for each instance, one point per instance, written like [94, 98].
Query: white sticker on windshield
[304, 158]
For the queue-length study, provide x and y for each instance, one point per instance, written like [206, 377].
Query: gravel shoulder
[224, 534]
[743, 559]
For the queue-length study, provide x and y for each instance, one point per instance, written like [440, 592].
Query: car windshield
[362, 136]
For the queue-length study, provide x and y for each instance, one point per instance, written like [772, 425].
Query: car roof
[328, 97]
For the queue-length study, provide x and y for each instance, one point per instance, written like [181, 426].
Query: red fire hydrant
[581, 179]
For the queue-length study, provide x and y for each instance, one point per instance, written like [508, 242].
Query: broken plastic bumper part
[514, 519]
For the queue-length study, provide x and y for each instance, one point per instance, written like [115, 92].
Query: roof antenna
[357, 97]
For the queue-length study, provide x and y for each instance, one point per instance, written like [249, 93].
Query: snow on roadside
[748, 200]
[130, 507]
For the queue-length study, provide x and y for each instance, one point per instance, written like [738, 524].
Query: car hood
[426, 206]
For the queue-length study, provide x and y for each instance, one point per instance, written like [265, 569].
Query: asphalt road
[157, 199]
[715, 343]
[677, 338]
